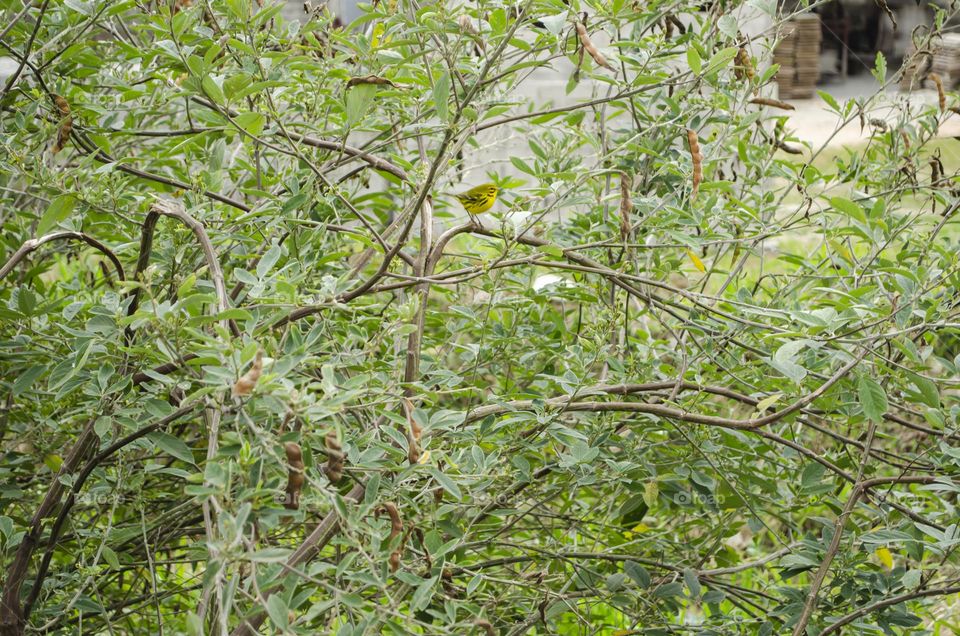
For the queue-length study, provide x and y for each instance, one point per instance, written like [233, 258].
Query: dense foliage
[259, 373]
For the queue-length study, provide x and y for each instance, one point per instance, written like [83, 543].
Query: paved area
[815, 122]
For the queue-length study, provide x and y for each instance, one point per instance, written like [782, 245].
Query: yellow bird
[479, 199]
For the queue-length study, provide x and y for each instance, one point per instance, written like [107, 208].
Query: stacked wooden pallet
[783, 56]
[944, 61]
[806, 57]
[798, 55]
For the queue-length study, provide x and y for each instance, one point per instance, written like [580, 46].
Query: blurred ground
[814, 122]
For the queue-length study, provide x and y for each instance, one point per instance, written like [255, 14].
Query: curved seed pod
[375, 80]
[675, 21]
[697, 158]
[774, 103]
[246, 383]
[396, 527]
[418, 534]
[335, 456]
[626, 207]
[886, 9]
[414, 432]
[467, 25]
[66, 123]
[590, 48]
[936, 170]
[472, 32]
[742, 66]
[788, 148]
[295, 475]
[485, 626]
[941, 94]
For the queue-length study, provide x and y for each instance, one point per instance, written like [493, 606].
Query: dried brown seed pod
[418, 533]
[472, 32]
[626, 207]
[788, 148]
[775, 103]
[936, 170]
[467, 25]
[396, 527]
[675, 21]
[414, 432]
[66, 124]
[485, 626]
[886, 9]
[247, 382]
[742, 65]
[370, 79]
[941, 94]
[697, 159]
[295, 475]
[590, 48]
[335, 456]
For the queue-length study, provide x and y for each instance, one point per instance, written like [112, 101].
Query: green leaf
[911, 578]
[650, 493]
[552, 250]
[768, 401]
[727, 24]
[637, 572]
[110, 557]
[171, 445]
[26, 379]
[929, 393]
[441, 96]
[423, 594]
[812, 476]
[694, 61]
[830, 100]
[58, 210]
[372, 490]
[448, 484]
[721, 58]
[358, 101]
[848, 207]
[278, 612]
[251, 122]
[236, 83]
[615, 582]
[554, 23]
[873, 399]
[212, 90]
[269, 259]
[880, 68]
[692, 582]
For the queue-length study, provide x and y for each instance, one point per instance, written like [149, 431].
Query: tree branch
[32, 244]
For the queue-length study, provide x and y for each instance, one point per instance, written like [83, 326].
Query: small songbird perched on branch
[479, 199]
